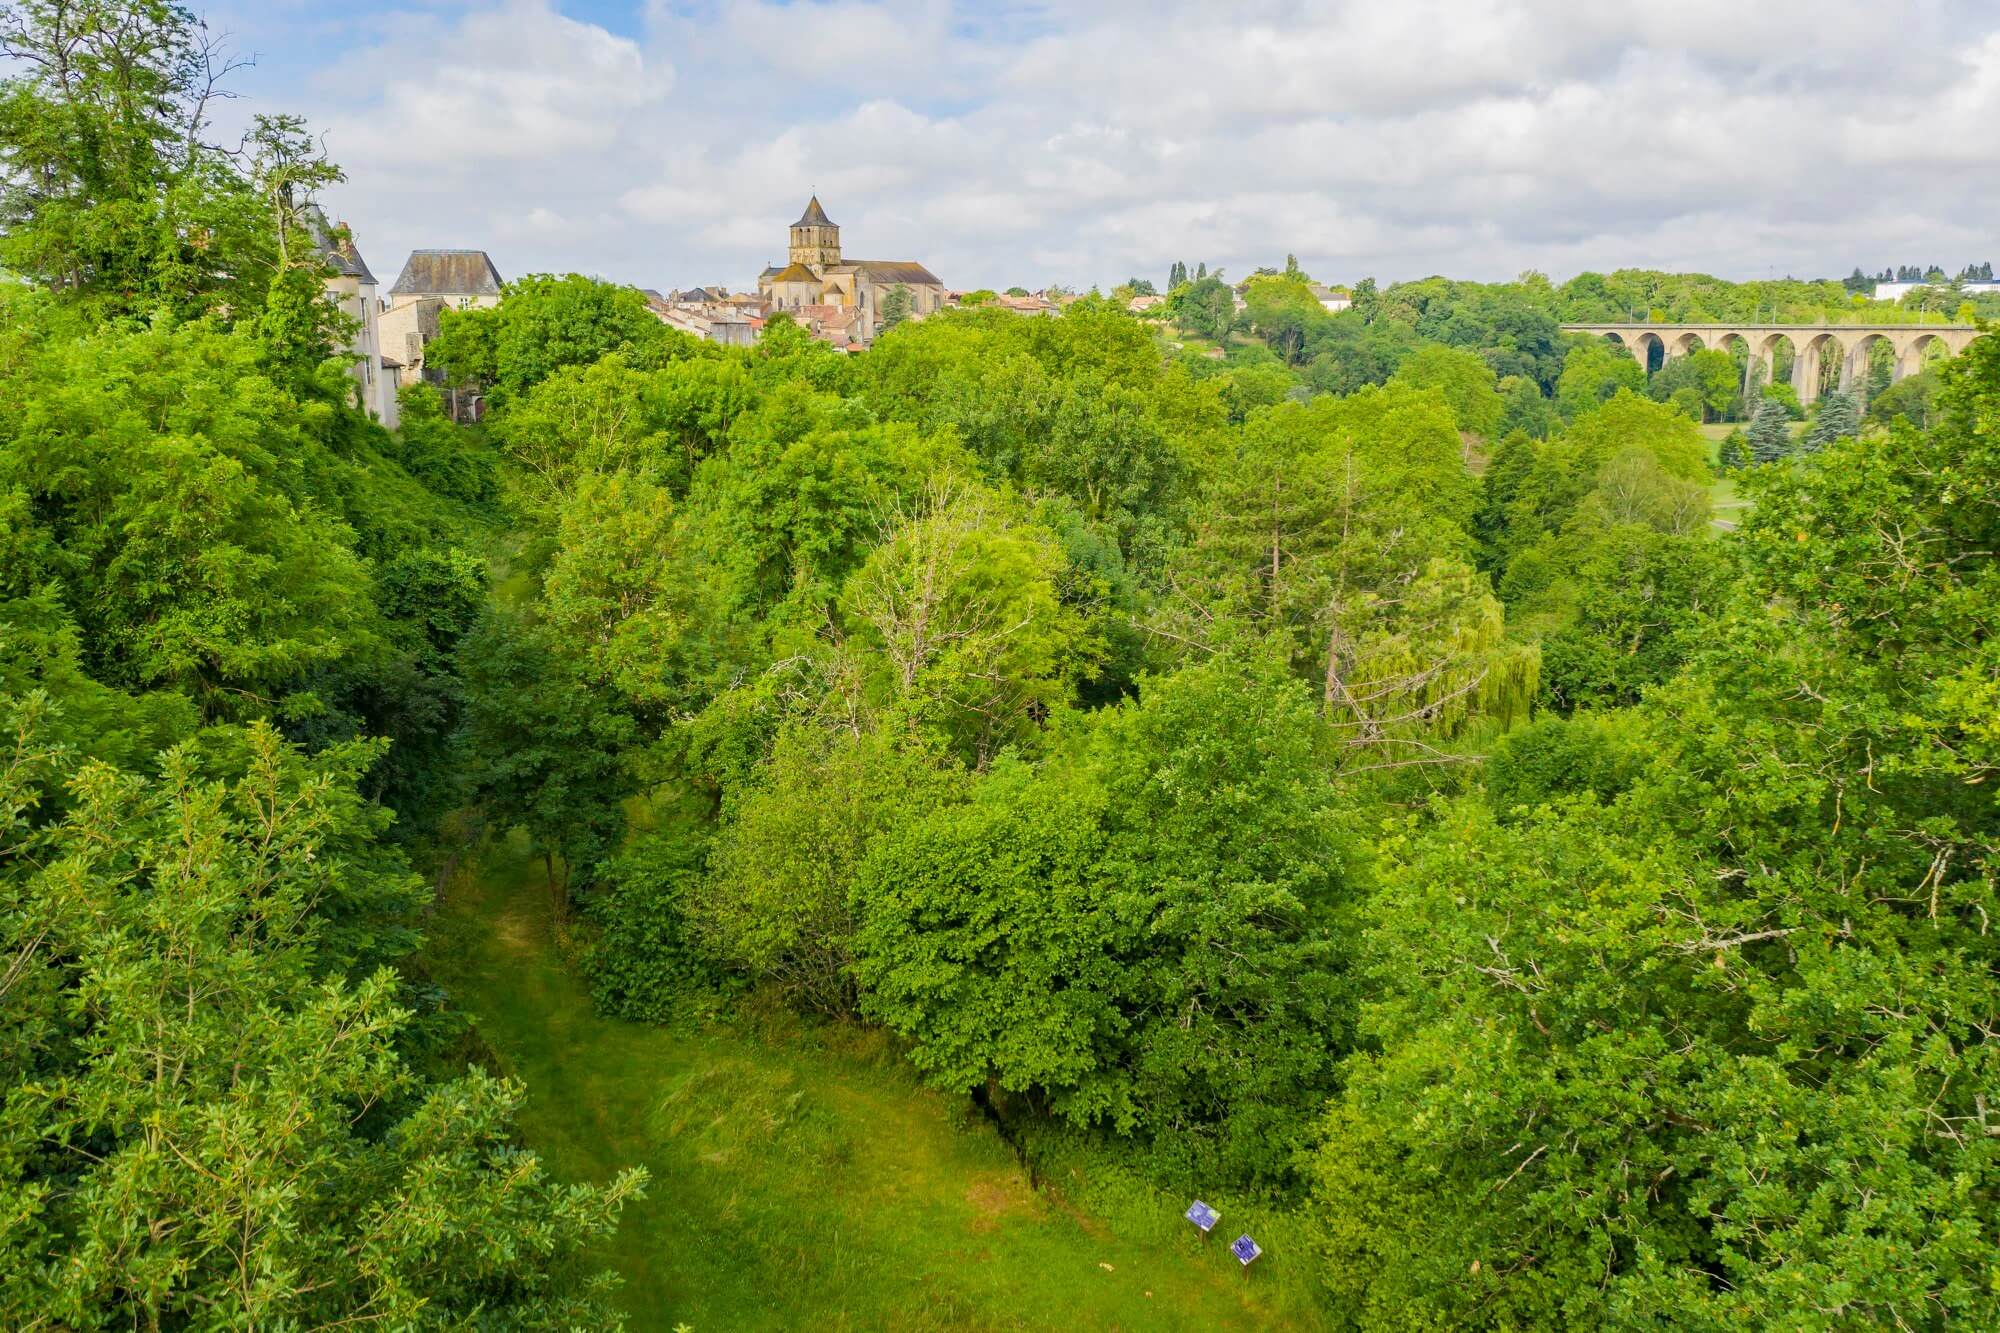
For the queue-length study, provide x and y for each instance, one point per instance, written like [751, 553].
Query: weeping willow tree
[1410, 671]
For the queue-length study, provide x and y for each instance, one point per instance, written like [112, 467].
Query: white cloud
[516, 84]
[1088, 142]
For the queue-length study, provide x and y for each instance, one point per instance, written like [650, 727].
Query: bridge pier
[1805, 373]
[1909, 361]
[1761, 359]
[1811, 344]
[1857, 371]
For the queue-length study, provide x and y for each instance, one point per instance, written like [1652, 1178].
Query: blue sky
[669, 143]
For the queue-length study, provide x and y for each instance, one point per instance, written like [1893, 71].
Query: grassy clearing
[803, 1179]
[1727, 505]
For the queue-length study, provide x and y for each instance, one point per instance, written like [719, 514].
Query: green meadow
[802, 1178]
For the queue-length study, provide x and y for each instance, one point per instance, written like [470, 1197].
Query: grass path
[804, 1180]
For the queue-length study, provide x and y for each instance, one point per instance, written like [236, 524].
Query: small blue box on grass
[1203, 1216]
[1244, 1249]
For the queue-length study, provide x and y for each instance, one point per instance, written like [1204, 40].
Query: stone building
[433, 281]
[710, 313]
[352, 288]
[817, 276]
[1025, 305]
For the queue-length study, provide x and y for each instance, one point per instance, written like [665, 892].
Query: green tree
[1105, 448]
[1746, 928]
[111, 194]
[1594, 372]
[1913, 399]
[171, 498]
[960, 612]
[1129, 931]
[544, 324]
[1284, 312]
[288, 167]
[581, 419]
[778, 899]
[1525, 408]
[1338, 538]
[1788, 398]
[1732, 453]
[1836, 416]
[895, 307]
[1707, 381]
[1770, 432]
[614, 592]
[1687, 400]
[545, 751]
[255, 1148]
[1621, 598]
[1465, 380]
[448, 461]
[1206, 307]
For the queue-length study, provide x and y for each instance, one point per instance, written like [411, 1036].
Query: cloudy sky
[670, 142]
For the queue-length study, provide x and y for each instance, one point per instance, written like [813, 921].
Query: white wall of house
[1896, 291]
[358, 302]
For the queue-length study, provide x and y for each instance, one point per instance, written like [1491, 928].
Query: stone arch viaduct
[1812, 346]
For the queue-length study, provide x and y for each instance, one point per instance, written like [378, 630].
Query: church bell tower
[815, 240]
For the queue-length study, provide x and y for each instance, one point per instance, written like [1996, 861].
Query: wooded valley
[1351, 777]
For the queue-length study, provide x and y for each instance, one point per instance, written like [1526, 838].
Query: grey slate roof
[447, 273]
[889, 272]
[814, 216]
[340, 256]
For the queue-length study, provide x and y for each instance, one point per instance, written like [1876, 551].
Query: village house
[352, 288]
[818, 276]
[1025, 305]
[1333, 300]
[433, 281]
[710, 313]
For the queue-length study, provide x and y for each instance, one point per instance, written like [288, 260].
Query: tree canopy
[1352, 761]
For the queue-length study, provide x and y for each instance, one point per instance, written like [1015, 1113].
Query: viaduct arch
[1812, 346]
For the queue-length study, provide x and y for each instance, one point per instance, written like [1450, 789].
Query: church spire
[815, 240]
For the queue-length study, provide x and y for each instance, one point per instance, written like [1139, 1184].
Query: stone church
[831, 291]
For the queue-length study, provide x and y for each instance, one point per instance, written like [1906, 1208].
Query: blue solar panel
[1244, 1249]
[1202, 1215]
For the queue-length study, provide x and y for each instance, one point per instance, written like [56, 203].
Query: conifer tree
[1839, 417]
[1770, 433]
[1731, 455]
[895, 307]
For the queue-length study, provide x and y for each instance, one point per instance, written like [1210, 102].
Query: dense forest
[1353, 770]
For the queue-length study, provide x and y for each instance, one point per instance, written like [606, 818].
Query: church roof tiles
[814, 216]
[795, 273]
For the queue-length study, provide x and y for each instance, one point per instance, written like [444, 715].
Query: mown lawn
[1727, 505]
[803, 1179]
